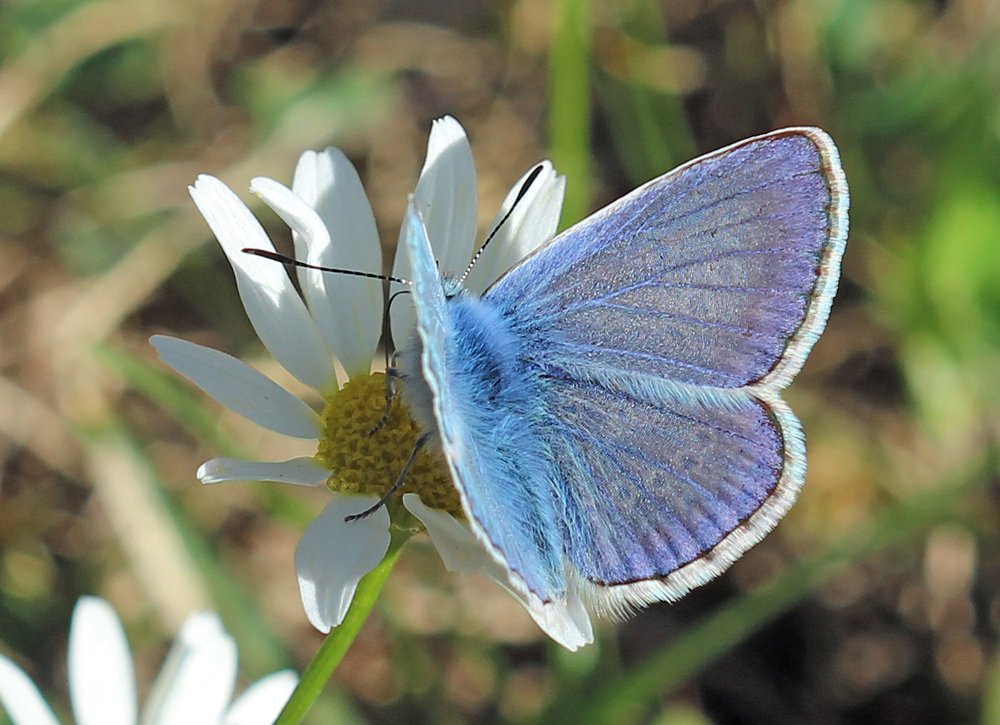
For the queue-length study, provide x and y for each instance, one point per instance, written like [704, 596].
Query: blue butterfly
[610, 408]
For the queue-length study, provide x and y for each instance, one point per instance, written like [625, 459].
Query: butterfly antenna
[289, 261]
[387, 326]
[520, 195]
[390, 365]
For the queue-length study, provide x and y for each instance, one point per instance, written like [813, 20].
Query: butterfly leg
[421, 442]
[391, 374]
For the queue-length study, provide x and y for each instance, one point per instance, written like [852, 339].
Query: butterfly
[610, 409]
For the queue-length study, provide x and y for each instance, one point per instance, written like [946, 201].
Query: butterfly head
[452, 288]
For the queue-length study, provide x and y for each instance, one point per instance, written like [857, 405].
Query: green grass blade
[569, 105]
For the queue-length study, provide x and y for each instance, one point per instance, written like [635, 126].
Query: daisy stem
[339, 640]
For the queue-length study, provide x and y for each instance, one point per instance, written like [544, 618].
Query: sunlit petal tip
[541, 218]
[198, 679]
[445, 132]
[20, 697]
[301, 471]
[101, 675]
[340, 199]
[447, 198]
[333, 555]
[552, 194]
[544, 180]
[305, 169]
[558, 192]
[201, 628]
[261, 703]
[519, 230]
[446, 195]
[207, 186]
[315, 174]
[270, 191]
[230, 220]
[347, 308]
[235, 227]
[292, 209]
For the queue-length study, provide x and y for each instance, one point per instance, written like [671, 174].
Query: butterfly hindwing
[654, 481]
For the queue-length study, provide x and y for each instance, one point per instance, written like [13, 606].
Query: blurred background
[877, 600]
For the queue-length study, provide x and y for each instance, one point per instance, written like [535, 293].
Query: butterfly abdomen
[481, 357]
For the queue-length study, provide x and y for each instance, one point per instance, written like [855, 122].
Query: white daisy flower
[333, 226]
[194, 686]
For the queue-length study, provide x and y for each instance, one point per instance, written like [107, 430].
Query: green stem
[337, 643]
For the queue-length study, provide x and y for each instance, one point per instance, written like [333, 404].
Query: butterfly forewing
[702, 276]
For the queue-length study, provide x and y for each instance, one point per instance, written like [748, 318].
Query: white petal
[341, 327]
[261, 703]
[334, 554]
[348, 309]
[21, 699]
[457, 547]
[532, 223]
[239, 387]
[567, 623]
[101, 674]
[303, 471]
[197, 679]
[446, 197]
[274, 307]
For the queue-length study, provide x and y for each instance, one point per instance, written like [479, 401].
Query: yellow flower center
[370, 464]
